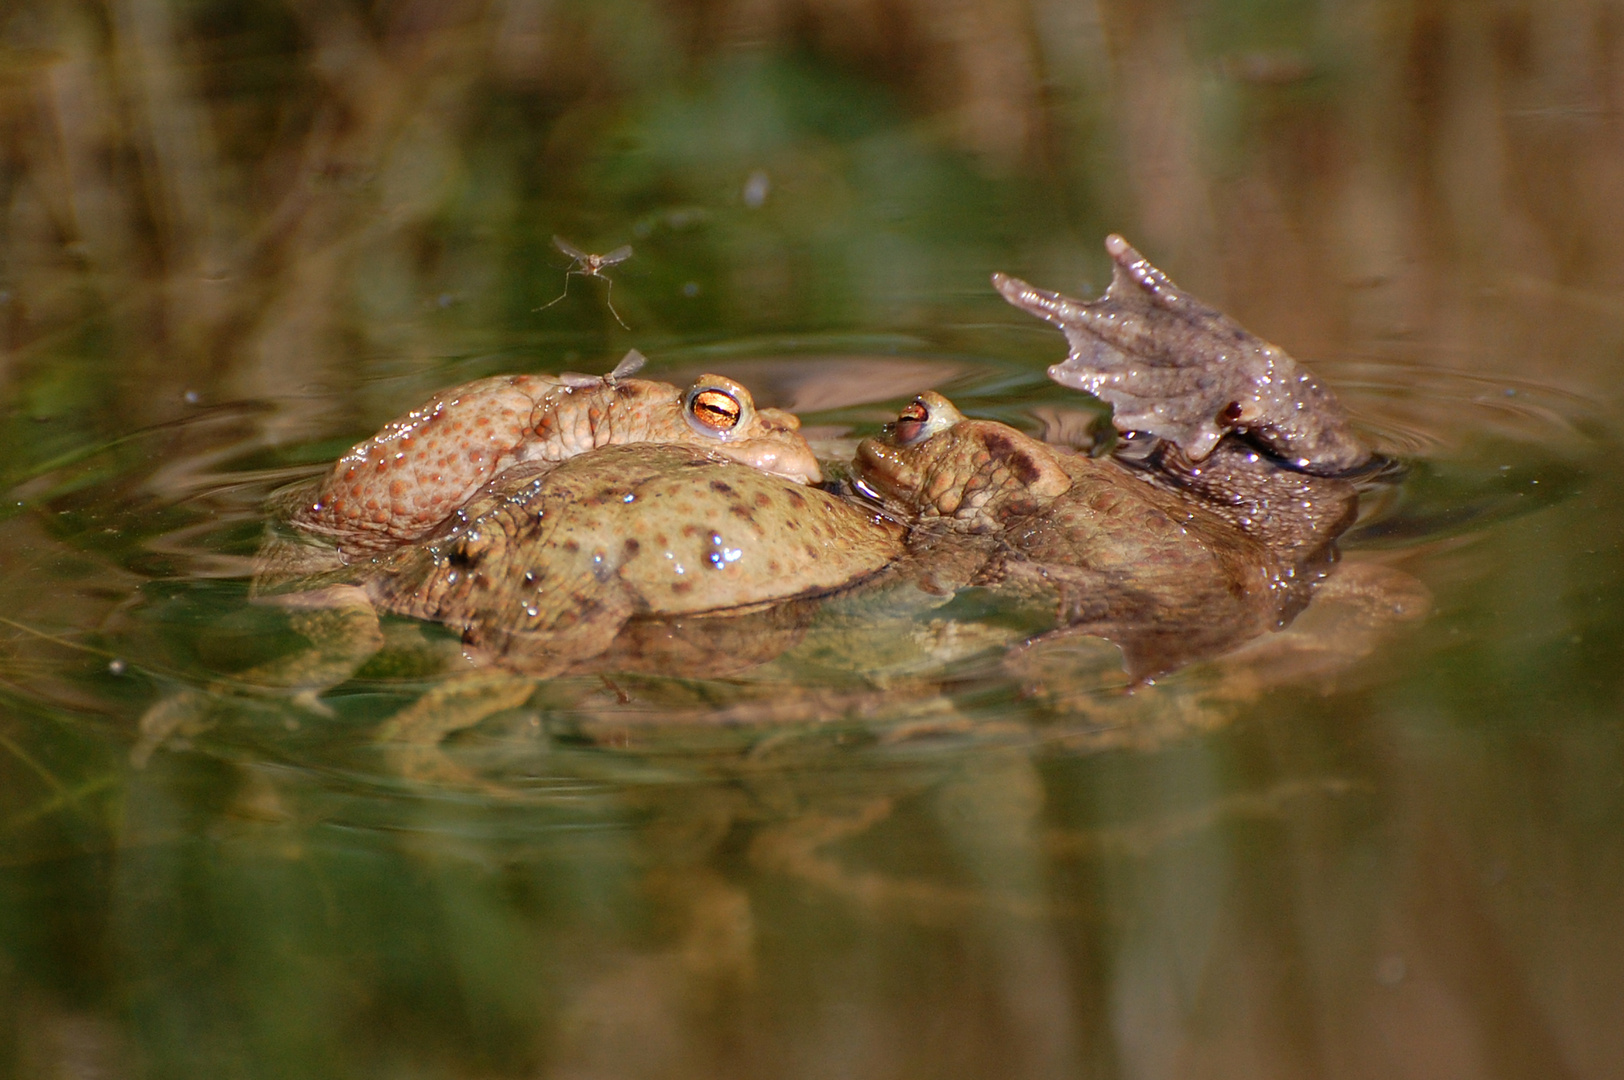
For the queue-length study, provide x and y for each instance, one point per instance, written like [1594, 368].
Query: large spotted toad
[546, 565]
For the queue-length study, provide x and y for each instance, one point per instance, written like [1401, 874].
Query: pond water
[1386, 841]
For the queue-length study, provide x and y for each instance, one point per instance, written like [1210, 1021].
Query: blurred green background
[234, 237]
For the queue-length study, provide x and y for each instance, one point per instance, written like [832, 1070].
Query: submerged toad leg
[1155, 633]
[412, 737]
[342, 627]
[1171, 366]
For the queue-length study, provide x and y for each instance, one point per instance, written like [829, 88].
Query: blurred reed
[261, 199]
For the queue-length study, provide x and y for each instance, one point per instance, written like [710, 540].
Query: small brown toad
[1208, 524]
[398, 485]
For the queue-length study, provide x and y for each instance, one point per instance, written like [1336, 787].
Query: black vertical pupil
[716, 409]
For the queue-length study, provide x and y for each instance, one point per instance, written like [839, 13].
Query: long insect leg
[560, 296]
[608, 298]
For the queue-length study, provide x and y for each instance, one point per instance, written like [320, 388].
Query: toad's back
[659, 530]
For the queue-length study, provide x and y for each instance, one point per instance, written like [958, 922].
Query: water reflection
[1262, 858]
[237, 237]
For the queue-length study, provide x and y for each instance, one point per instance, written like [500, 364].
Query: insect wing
[619, 255]
[629, 363]
[570, 249]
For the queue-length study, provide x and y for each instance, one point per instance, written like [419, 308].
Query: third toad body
[572, 524]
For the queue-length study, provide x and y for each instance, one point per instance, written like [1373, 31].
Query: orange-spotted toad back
[546, 565]
[400, 484]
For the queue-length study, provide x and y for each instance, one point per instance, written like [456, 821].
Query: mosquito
[586, 265]
[632, 362]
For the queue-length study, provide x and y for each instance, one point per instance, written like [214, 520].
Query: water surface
[239, 237]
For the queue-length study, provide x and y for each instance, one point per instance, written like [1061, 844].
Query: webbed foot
[1171, 366]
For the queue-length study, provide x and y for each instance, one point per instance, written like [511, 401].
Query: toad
[646, 556]
[546, 564]
[1206, 526]
[1234, 474]
[1172, 561]
[397, 486]
[537, 515]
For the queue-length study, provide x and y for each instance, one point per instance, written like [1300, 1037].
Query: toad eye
[925, 416]
[912, 423]
[717, 408]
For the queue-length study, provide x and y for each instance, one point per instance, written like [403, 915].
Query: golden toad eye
[715, 411]
[719, 408]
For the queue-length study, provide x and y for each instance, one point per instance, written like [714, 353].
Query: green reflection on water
[239, 236]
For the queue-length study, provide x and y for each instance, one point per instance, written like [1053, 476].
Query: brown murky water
[236, 237]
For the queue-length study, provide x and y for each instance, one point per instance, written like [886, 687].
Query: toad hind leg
[342, 627]
[412, 738]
